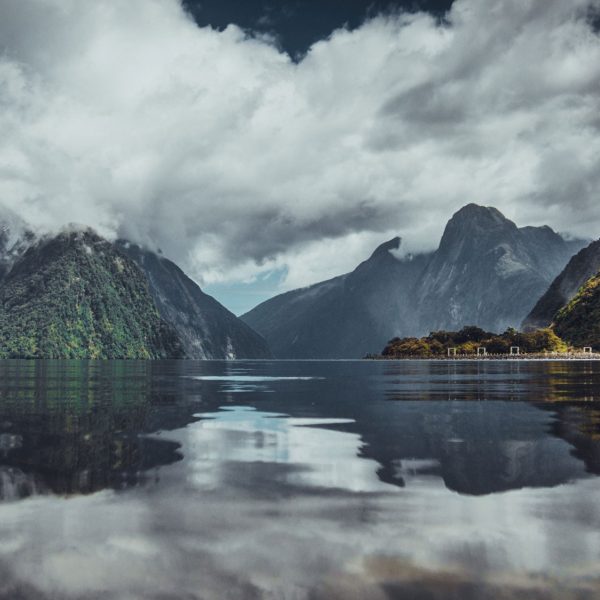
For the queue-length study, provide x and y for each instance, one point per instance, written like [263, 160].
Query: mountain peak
[476, 213]
[384, 248]
[474, 224]
[486, 272]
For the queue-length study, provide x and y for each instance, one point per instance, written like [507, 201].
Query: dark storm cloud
[218, 147]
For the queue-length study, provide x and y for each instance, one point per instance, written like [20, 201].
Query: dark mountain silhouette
[486, 272]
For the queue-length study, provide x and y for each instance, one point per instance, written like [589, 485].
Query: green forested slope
[579, 321]
[76, 296]
[468, 339]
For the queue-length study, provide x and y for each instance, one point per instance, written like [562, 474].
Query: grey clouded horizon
[237, 160]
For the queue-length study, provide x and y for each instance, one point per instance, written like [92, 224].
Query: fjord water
[299, 480]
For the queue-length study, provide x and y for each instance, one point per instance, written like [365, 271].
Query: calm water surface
[299, 480]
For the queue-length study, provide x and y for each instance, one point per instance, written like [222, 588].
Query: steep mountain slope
[15, 238]
[579, 321]
[76, 296]
[486, 272]
[345, 316]
[580, 268]
[206, 328]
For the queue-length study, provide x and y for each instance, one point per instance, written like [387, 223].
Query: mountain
[579, 321]
[15, 238]
[77, 296]
[580, 268]
[486, 272]
[342, 316]
[206, 329]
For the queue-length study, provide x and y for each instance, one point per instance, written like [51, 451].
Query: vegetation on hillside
[75, 296]
[467, 340]
[579, 321]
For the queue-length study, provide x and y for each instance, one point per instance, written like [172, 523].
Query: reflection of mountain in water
[78, 427]
[490, 435]
[74, 427]
[478, 426]
[474, 449]
[580, 426]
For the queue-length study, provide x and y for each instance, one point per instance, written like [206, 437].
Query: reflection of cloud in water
[244, 435]
[264, 505]
[195, 543]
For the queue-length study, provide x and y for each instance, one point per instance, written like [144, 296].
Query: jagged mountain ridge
[486, 272]
[76, 296]
[206, 328]
[564, 288]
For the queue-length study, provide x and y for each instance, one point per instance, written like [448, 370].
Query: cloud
[233, 159]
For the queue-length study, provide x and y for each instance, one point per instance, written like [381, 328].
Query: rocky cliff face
[76, 296]
[564, 288]
[206, 328]
[486, 272]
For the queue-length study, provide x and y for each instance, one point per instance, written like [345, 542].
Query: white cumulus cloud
[233, 159]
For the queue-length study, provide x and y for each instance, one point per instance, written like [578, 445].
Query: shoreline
[562, 356]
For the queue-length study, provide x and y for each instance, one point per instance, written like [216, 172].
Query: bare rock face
[486, 272]
[564, 288]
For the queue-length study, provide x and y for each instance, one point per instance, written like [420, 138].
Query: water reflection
[226, 444]
[77, 427]
[299, 480]
[543, 381]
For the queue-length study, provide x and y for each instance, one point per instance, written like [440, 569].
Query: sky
[295, 25]
[265, 146]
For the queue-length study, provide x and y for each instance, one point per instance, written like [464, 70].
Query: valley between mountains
[486, 272]
[77, 295]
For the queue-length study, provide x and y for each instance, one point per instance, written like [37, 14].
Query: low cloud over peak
[234, 159]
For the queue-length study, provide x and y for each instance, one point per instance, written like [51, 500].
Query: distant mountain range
[486, 272]
[76, 295]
